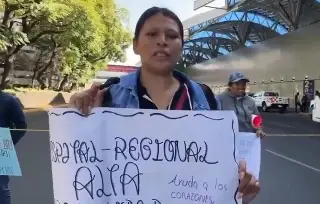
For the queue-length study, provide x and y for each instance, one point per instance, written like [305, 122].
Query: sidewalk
[293, 111]
[289, 111]
[31, 110]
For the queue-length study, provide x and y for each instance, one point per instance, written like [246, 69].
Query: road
[290, 171]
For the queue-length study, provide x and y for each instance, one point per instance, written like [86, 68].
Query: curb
[45, 108]
[32, 110]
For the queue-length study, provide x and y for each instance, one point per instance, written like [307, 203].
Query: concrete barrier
[43, 99]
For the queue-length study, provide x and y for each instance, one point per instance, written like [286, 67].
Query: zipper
[245, 113]
[235, 105]
[237, 110]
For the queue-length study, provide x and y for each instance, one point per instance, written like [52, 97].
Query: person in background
[158, 39]
[297, 102]
[314, 103]
[11, 116]
[316, 100]
[304, 103]
[235, 98]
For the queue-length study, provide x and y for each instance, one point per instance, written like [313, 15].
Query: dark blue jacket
[12, 116]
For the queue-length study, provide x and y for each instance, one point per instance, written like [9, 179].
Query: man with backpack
[11, 116]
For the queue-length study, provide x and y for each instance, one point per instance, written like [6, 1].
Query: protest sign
[9, 163]
[133, 156]
[248, 147]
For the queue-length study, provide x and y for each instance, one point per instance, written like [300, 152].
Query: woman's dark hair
[154, 11]
[318, 94]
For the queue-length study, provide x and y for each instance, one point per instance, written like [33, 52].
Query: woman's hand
[249, 186]
[260, 133]
[84, 101]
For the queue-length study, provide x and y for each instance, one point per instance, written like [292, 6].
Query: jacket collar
[130, 81]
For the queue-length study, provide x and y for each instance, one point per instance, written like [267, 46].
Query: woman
[235, 98]
[158, 39]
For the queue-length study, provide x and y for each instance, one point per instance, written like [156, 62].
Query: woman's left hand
[260, 133]
[249, 186]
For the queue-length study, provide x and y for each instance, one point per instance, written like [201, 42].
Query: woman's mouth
[161, 54]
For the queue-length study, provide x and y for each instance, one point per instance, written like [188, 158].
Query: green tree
[97, 36]
[25, 22]
[85, 34]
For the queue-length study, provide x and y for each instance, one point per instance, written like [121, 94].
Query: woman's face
[238, 88]
[159, 44]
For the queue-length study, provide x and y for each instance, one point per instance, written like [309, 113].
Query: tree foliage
[76, 37]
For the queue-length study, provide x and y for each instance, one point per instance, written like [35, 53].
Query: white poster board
[133, 156]
[248, 147]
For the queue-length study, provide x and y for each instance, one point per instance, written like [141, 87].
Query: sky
[183, 8]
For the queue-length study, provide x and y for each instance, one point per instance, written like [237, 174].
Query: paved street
[290, 171]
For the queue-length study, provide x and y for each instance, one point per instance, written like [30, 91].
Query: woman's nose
[162, 41]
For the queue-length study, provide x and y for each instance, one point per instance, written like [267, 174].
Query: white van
[315, 109]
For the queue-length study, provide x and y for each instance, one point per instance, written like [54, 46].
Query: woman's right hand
[260, 133]
[84, 101]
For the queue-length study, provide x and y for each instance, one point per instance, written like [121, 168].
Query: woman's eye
[173, 36]
[152, 34]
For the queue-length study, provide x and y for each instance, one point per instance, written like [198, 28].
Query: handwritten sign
[132, 156]
[248, 147]
[9, 163]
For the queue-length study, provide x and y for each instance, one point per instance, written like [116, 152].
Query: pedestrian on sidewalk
[297, 102]
[304, 103]
[236, 99]
[11, 116]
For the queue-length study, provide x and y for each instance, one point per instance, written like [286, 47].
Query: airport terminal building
[274, 42]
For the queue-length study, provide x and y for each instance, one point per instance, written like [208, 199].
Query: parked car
[314, 110]
[266, 100]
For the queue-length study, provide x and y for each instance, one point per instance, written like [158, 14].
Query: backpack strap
[107, 99]
[210, 96]
[111, 81]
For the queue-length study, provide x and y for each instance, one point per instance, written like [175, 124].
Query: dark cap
[237, 76]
